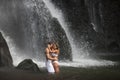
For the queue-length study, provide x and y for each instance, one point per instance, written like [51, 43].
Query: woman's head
[55, 45]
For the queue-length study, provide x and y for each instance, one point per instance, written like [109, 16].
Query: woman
[49, 58]
[54, 52]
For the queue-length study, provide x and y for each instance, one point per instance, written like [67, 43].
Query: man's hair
[50, 42]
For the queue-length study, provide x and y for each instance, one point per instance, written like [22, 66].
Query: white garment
[49, 66]
[54, 54]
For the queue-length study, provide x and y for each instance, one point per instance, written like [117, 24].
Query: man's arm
[48, 55]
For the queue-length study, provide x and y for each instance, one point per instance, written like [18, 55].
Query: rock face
[5, 57]
[29, 65]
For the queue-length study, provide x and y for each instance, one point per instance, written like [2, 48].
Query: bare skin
[56, 67]
[48, 56]
[55, 64]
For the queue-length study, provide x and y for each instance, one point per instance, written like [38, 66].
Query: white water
[84, 63]
[77, 63]
[55, 12]
[77, 60]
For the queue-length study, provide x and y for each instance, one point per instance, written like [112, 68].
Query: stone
[5, 56]
[28, 65]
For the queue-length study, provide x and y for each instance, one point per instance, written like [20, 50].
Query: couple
[52, 52]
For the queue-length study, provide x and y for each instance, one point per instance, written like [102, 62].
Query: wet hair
[50, 42]
[56, 44]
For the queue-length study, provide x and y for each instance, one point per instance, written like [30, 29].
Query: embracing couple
[52, 52]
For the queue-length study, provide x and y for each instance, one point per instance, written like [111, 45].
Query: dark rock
[28, 65]
[113, 46]
[5, 57]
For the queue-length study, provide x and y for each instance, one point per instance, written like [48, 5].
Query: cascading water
[30, 26]
[55, 12]
[77, 54]
[37, 26]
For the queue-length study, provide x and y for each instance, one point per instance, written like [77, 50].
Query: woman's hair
[56, 45]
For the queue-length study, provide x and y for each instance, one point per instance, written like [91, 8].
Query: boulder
[5, 57]
[28, 65]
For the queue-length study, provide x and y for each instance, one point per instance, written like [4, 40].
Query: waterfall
[57, 13]
[31, 21]
[79, 59]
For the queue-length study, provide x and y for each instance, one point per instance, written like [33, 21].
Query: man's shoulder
[46, 49]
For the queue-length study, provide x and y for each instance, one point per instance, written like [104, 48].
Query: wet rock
[5, 57]
[28, 65]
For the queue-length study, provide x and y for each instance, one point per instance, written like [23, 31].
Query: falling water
[57, 13]
[79, 59]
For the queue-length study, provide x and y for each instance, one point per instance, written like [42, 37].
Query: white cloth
[49, 66]
[54, 54]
